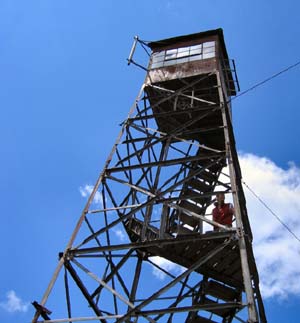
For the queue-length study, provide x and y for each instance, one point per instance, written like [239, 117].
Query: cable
[244, 92]
[143, 45]
[271, 211]
[146, 42]
[266, 80]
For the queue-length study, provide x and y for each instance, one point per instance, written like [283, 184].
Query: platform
[193, 100]
[224, 267]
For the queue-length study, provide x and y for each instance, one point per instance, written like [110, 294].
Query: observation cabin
[180, 61]
[191, 55]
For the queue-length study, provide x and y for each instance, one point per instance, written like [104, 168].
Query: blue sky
[64, 89]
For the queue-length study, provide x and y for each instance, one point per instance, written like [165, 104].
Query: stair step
[223, 312]
[196, 196]
[200, 185]
[215, 168]
[208, 176]
[189, 220]
[191, 207]
[135, 227]
[220, 291]
[180, 230]
[185, 218]
[201, 319]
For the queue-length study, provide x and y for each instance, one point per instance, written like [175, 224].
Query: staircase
[219, 301]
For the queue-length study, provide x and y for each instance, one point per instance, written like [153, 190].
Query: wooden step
[222, 311]
[180, 229]
[191, 207]
[214, 168]
[220, 291]
[186, 218]
[200, 185]
[177, 252]
[200, 319]
[134, 228]
[208, 176]
[196, 196]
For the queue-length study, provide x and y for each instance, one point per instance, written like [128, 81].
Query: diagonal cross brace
[192, 268]
[106, 286]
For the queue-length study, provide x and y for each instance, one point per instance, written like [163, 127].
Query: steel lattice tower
[175, 152]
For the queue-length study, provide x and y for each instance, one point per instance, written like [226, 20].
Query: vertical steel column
[252, 312]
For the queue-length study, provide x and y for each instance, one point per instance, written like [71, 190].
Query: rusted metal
[174, 281]
[83, 289]
[240, 227]
[157, 191]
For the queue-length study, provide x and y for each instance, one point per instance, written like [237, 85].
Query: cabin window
[183, 54]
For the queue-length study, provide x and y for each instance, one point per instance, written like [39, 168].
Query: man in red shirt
[223, 212]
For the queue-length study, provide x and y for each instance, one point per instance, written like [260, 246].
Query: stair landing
[225, 266]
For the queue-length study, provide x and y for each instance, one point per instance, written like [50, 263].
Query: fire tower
[175, 152]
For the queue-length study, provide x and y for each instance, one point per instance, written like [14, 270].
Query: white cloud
[120, 234]
[276, 251]
[14, 303]
[166, 265]
[86, 191]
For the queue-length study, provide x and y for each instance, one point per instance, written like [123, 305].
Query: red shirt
[223, 214]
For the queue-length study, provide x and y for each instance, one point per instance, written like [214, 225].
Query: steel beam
[157, 242]
[192, 268]
[83, 289]
[252, 311]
